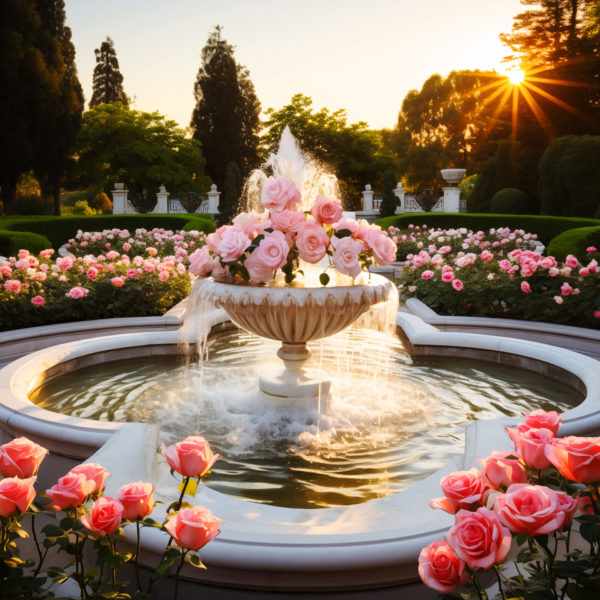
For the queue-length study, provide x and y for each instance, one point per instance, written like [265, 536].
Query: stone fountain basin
[374, 544]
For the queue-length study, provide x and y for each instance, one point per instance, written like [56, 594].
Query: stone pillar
[213, 200]
[451, 199]
[368, 198]
[162, 201]
[120, 203]
[400, 191]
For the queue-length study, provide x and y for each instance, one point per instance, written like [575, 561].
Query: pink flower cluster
[258, 244]
[500, 500]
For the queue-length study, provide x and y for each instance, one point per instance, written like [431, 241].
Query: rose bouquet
[540, 503]
[258, 245]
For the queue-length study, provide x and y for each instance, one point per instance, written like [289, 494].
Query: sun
[516, 76]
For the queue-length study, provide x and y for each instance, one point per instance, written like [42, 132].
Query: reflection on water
[391, 421]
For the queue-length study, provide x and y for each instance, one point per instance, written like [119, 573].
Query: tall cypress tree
[59, 115]
[107, 85]
[226, 116]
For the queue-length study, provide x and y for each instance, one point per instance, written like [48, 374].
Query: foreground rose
[479, 538]
[531, 509]
[192, 457]
[272, 250]
[137, 500]
[257, 270]
[105, 517]
[94, 473]
[287, 220]
[16, 495]
[21, 458]
[577, 458]
[461, 489]
[327, 210]
[568, 505]
[346, 255]
[201, 262]
[384, 250]
[541, 419]
[233, 243]
[312, 242]
[193, 528]
[71, 490]
[499, 471]
[530, 444]
[280, 194]
[440, 569]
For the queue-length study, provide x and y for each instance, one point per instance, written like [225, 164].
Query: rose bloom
[105, 517]
[287, 220]
[565, 289]
[327, 210]
[117, 281]
[21, 458]
[427, 274]
[346, 255]
[273, 250]
[38, 301]
[126, 247]
[571, 261]
[312, 242]
[440, 569]
[132, 273]
[568, 505]
[251, 222]
[137, 500]
[71, 490]
[94, 473]
[16, 494]
[41, 276]
[201, 262]
[504, 265]
[191, 457]
[447, 276]
[457, 284]
[596, 314]
[576, 458]
[486, 256]
[64, 263]
[461, 489]
[525, 287]
[558, 299]
[541, 419]
[193, 528]
[163, 276]
[258, 271]
[384, 250]
[530, 444]
[500, 471]
[77, 292]
[92, 273]
[591, 249]
[280, 194]
[530, 509]
[233, 243]
[12, 285]
[214, 239]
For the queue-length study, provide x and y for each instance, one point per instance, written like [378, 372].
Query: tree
[107, 84]
[58, 118]
[389, 200]
[225, 119]
[232, 189]
[354, 153]
[140, 149]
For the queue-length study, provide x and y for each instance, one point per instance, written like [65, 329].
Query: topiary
[574, 241]
[509, 201]
[13, 241]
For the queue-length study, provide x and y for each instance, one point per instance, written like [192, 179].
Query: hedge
[13, 241]
[576, 242]
[545, 227]
[60, 229]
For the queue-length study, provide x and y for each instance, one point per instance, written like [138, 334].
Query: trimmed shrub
[13, 241]
[509, 201]
[546, 227]
[574, 241]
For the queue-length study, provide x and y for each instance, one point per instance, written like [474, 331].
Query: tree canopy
[107, 84]
[225, 119]
[143, 150]
[355, 154]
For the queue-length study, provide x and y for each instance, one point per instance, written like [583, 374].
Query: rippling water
[391, 421]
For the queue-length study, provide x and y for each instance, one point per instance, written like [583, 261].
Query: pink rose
[312, 242]
[479, 538]
[258, 271]
[117, 281]
[38, 301]
[461, 489]
[71, 490]
[539, 419]
[568, 505]
[214, 239]
[347, 251]
[447, 276]
[21, 458]
[486, 256]
[163, 276]
[137, 500]
[591, 249]
[193, 527]
[273, 250]
[251, 222]
[548, 262]
[500, 471]
[565, 289]
[457, 284]
[427, 274]
[287, 220]
[525, 287]
[504, 265]
[577, 458]
[571, 261]
[233, 243]
[440, 569]
[201, 262]
[530, 509]
[94, 473]
[192, 457]
[327, 210]
[12, 285]
[530, 444]
[280, 194]
[105, 517]
[126, 247]
[64, 263]
[132, 273]
[384, 250]
[92, 273]
[16, 494]
[77, 292]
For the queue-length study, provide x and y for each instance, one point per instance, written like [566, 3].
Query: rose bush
[515, 501]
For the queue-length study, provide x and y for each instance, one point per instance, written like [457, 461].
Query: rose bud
[192, 457]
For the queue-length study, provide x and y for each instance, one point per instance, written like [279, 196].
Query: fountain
[368, 544]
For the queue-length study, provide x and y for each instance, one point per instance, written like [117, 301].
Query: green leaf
[52, 530]
[342, 233]
[194, 560]
[56, 574]
[324, 279]
[164, 567]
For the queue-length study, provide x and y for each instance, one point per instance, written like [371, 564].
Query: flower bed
[496, 281]
[124, 276]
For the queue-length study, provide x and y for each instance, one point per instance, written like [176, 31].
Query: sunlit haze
[360, 56]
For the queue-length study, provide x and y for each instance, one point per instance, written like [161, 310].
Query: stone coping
[373, 544]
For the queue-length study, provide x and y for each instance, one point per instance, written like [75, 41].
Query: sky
[359, 55]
